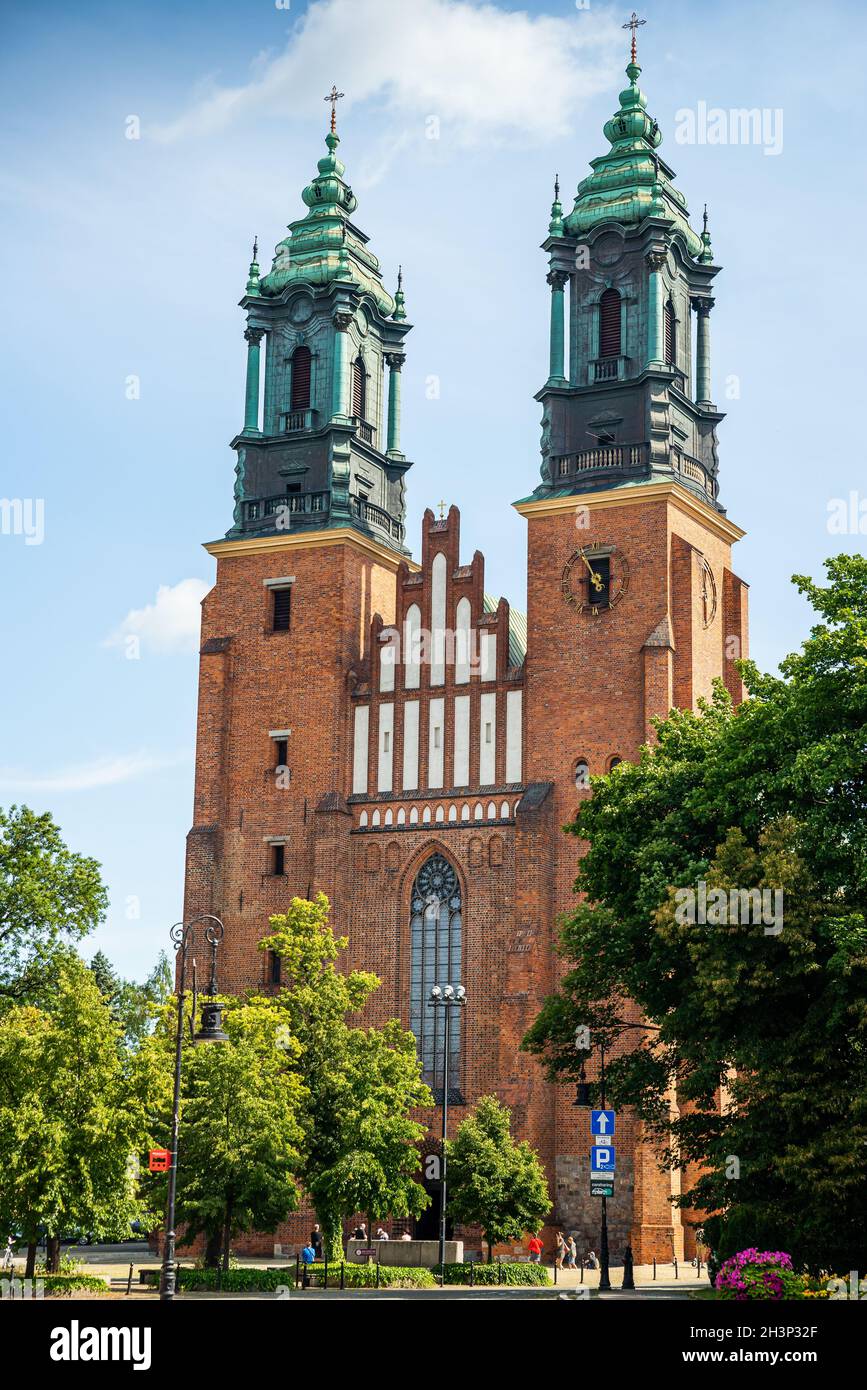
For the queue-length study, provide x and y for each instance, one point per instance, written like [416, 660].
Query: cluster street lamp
[210, 1030]
[583, 1098]
[447, 997]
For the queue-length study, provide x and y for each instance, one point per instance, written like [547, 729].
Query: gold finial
[634, 23]
[334, 96]
[442, 507]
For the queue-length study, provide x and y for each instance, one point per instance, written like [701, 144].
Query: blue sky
[125, 258]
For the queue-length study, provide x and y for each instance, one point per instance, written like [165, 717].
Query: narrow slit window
[282, 609]
[299, 398]
[609, 324]
[359, 389]
[278, 859]
[670, 335]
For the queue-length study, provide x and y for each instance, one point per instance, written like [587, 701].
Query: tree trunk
[212, 1250]
[332, 1236]
[52, 1254]
[30, 1267]
[490, 1250]
[227, 1234]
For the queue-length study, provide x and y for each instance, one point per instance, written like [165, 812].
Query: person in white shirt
[381, 1234]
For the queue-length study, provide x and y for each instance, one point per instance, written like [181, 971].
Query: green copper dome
[324, 245]
[631, 182]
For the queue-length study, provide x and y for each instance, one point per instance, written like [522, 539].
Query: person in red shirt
[534, 1245]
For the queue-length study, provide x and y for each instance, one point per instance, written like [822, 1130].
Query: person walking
[560, 1250]
[535, 1247]
[571, 1260]
[8, 1261]
[316, 1241]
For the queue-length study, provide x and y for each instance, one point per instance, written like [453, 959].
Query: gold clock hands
[595, 579]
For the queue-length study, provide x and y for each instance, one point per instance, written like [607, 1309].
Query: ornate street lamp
[210, 1030]
[448, 997]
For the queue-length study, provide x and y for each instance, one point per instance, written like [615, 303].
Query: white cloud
[101, 772]
[487, 74]
[170, 624]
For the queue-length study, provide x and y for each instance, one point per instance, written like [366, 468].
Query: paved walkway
[113, 1263]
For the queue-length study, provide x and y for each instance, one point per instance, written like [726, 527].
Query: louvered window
[670, 335]
[282, 609]
[359, 389]
[300, 397]
[609, 324]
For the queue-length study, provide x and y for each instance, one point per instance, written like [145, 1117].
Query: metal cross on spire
[334, 96]
[634, 23]
[442, 506]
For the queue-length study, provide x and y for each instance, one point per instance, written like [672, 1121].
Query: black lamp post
[583, 1098]
[211, 1030]
[448, 997]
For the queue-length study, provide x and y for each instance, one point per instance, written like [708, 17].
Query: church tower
[323, 447]
[313, 552]
[633, 606]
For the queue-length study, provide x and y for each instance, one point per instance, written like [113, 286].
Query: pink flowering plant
[756, 1273]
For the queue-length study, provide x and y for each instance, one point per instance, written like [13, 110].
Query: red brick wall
[590, 687]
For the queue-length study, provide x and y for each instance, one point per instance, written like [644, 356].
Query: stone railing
[294, 421]
[372, 515]
[629, 458]
[291, 502]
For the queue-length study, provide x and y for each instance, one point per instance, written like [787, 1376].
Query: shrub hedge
[72, 1283]
[505, 1273]
[258, 1280]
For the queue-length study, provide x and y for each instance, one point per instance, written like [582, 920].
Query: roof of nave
[517, 630]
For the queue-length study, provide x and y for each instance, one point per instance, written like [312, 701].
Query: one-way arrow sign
[602, 1122]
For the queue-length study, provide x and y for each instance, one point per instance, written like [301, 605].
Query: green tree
[764, 1031]
[49, 899]
[493, 1181]
[240, 1125]
[71, 1119]
[135, 1006]
[360, 1148]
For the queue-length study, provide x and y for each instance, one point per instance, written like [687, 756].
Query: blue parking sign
[602, 1158]
[602, 1122]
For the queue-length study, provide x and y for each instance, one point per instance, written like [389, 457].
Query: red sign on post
[159, 1160]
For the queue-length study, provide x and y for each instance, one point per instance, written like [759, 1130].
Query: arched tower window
[300, 392]
[436, 925]
[359, 389]
[609, 324]
[670, 335]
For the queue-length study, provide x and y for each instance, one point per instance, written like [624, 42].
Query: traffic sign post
[603, 1159]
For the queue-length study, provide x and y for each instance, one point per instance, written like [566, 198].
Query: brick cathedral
[381, 728]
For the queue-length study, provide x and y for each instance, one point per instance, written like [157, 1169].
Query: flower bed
[759, 1274]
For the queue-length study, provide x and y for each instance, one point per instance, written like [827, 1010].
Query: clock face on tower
[595, 578]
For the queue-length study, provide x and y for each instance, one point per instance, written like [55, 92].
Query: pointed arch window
[300, 392]
[359, 389]
[436, 928]
[670, 335]
[609, 324]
